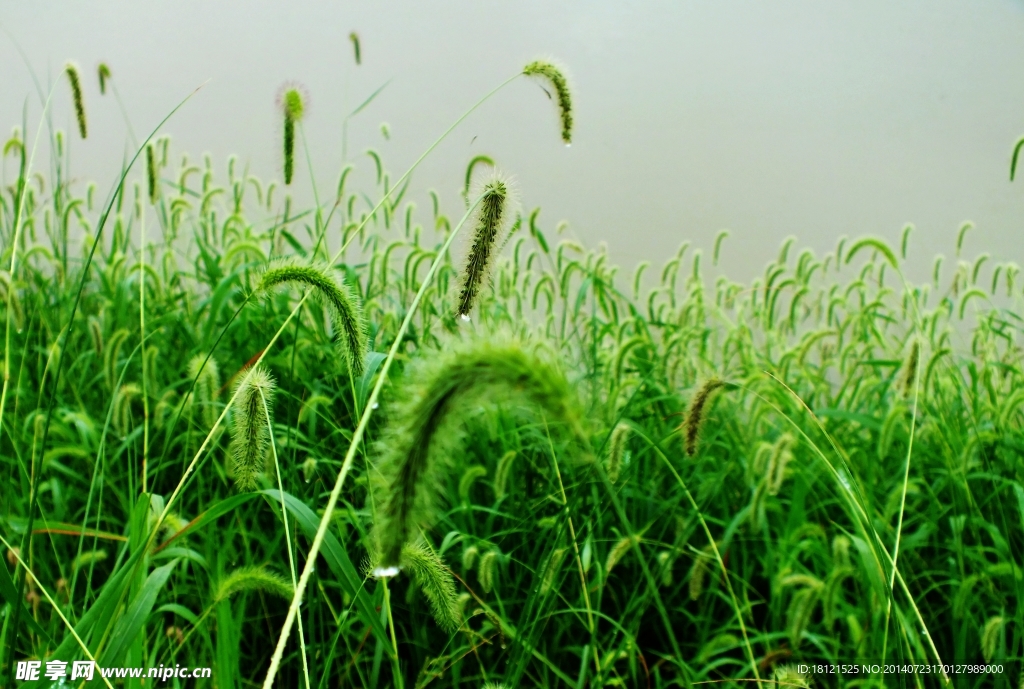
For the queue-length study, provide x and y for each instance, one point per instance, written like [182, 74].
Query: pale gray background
[767, 118]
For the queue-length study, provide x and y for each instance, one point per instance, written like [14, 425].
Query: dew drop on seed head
[568, 145]
[383, 572]
[465, 317]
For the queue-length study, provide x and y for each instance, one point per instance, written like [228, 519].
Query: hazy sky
[767, 118]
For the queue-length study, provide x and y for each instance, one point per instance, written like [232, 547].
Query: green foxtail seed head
[437, 583]
[151, 172]
[252, 578]
[487, 572]
[250, 436]
[695, 417]
[76, 96]
[104, 73]
[616, 449]
[552, 569]
[207, 387]
[697, 574]
[619, 550]
[423, 429]
[556, 79]
[501, 474]
[344, 308]
[293, 106]
[489, 222]
[909, 378]
[354, 37]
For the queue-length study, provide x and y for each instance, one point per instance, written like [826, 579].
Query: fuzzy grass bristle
[343, 306]
[437, 583]
[76, 96]
[616, 450]
[490, 219]
[293, 106]
[695, 417]
[442, 389]
[556, 78]
[103, 72]
[250, 435]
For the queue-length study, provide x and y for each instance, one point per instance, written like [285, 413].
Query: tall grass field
[365, 443]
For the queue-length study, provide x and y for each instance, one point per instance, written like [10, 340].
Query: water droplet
[465, 317]
[383, 572]
[375, 405]
[568, 145]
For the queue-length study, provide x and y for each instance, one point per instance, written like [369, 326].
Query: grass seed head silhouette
[354, 37]
[490, 219]
[695, 417]
[344, 308]
[103, 72]
[252, 578]
[908, 379]
[616, 449]
[250, 436]
[293, 107]
[556, 78]
[151, 173]
[437, 584]
[76, 96]
[441, 388]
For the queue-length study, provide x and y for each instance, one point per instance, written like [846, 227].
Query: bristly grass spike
[490, 221]
[556, 79]
[250, 439]
[695, 417]
[76, 96]
[293, 102]
[342, 304]
[103, 72]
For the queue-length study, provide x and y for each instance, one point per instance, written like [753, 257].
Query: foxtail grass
[492, 215]
[76, 97]
[556, 79]
[694, 420]
[443, 389]
[250, 434]
[342, 305]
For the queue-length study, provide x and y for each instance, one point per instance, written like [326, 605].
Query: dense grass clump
[647, 480]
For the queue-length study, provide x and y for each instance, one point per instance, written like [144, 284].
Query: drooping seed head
[76, 96]
[206, 375]
[909, 378]
[250, 434]
[556, 78]
[490, 219]
[616, 449]
[252, 578]
[695, 417]
[424, 427]
[344, 308]
[436, 582]
[487, 572]
[103, 72]
[354, 37]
